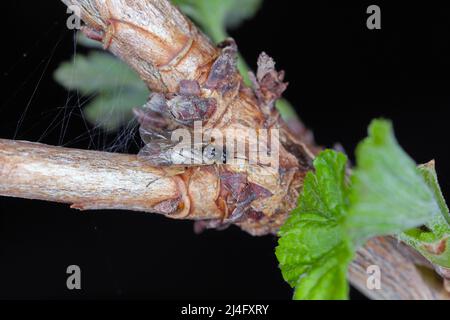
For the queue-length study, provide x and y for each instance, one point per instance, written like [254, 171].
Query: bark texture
[405, 274]
[86, 180]
[100, 180]
[183, 67]
[193, 80]
[152, 37]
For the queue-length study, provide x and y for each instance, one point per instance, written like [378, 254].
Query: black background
[341, 76]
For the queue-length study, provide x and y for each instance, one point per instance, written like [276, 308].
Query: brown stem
[100, 180]
[85, 179]
[153, 37]
[164, 48]
[405, 274]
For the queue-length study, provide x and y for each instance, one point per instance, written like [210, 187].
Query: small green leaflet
[97, 72]
[111, 110]
[215, 16]
[116, 88]
[313, 249]
[387, 195]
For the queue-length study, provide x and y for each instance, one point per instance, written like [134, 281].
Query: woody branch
[100, 180]
[164, 48]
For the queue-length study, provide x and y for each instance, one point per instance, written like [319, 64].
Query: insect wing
[164, 152]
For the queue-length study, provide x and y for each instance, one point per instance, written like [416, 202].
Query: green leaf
[116, 87]
[325, 190]
[97, 72]
[84, 41]
[313, 249]
[112, 110]
[313, 256]
[388, 193]
[433, 242]
[327, 280]
[241, 10]
[215, 16]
